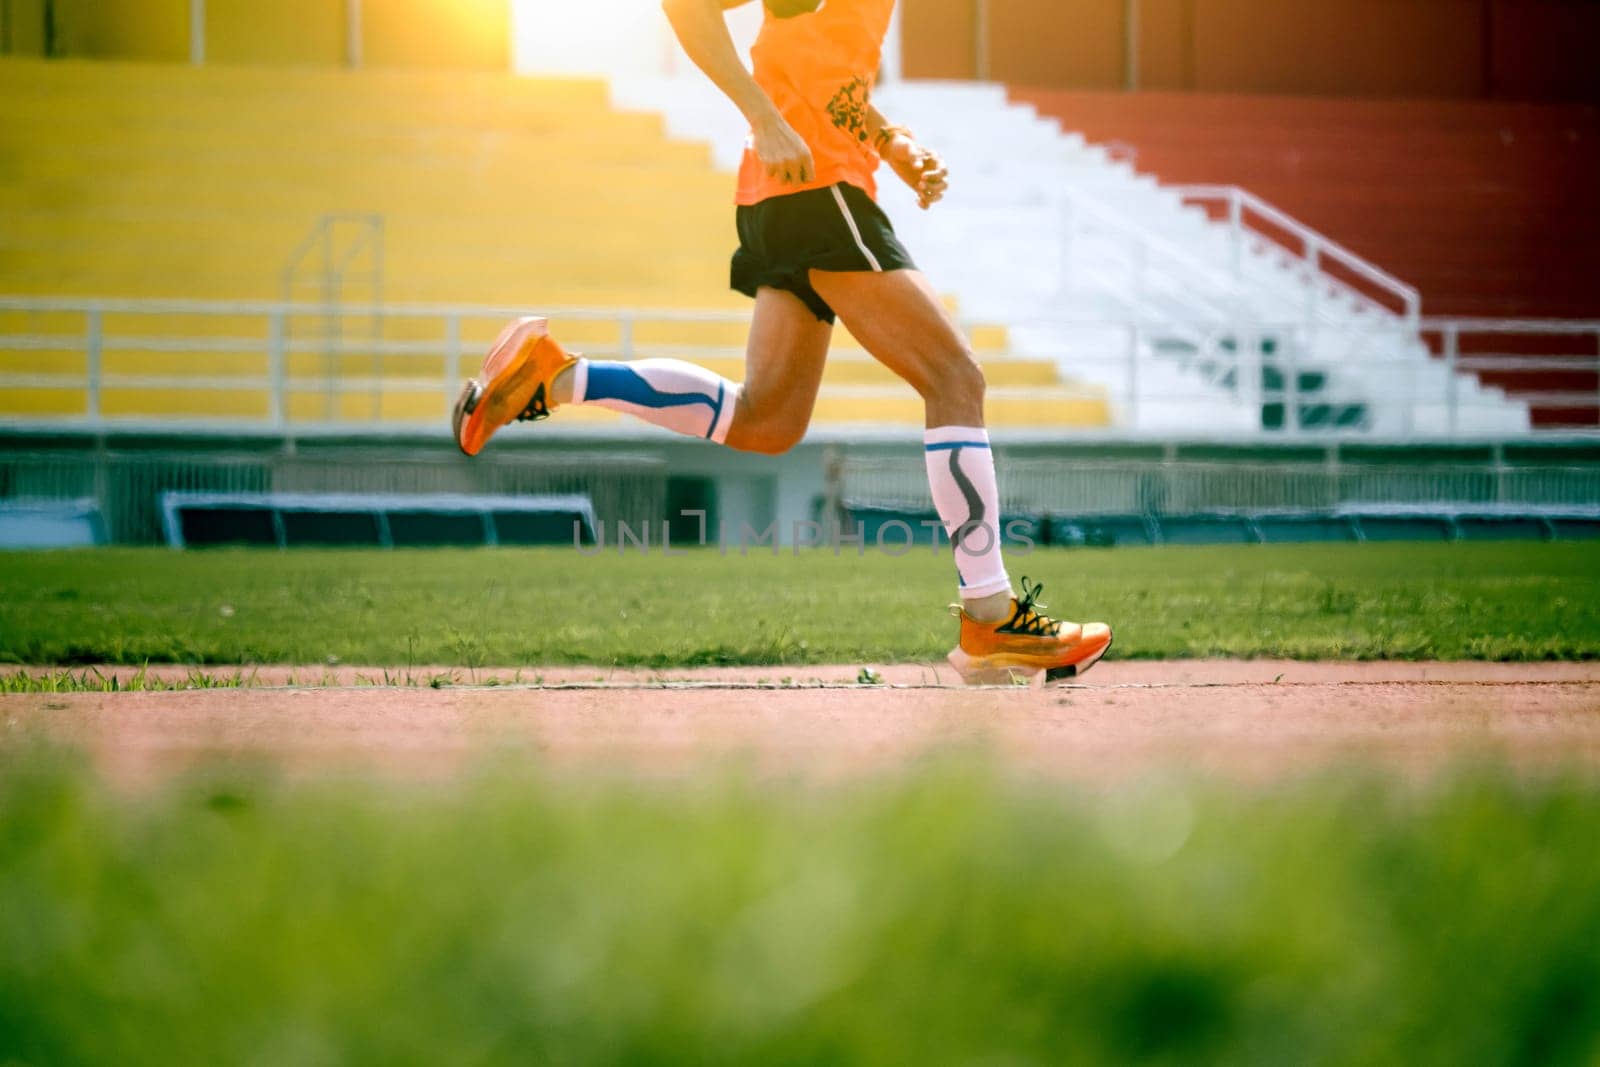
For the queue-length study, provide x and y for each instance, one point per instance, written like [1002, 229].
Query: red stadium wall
[1457, 49]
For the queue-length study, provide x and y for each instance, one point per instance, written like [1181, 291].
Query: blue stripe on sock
[945, 446]
[716, 411]
[618, 381]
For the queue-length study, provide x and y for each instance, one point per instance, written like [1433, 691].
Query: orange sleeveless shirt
[819, 69]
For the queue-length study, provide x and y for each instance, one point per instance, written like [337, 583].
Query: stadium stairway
[1071, 246]
[151, 182]
[1488, 207]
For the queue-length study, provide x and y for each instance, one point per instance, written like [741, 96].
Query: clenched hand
[783, 154]
[918, 167]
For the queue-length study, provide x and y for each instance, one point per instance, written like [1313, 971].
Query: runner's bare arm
[703, 32]
[918, 167]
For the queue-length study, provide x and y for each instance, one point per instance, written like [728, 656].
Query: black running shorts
[783, 238]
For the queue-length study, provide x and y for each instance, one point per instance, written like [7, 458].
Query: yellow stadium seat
[36, 403]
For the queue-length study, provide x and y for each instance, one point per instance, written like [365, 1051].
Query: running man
[815, 245]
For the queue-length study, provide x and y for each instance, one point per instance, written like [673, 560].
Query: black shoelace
[1027, 619]
[537, 407]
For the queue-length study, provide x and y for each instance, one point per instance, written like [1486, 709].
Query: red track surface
[1207, 716]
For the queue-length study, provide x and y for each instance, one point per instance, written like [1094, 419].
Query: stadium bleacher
[161, 181]
[1485, 206]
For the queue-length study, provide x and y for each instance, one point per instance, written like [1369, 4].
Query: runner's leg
[783, 365]
[897, 316]
[769, 412]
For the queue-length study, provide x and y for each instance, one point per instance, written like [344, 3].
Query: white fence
[309, 372]
[1098, 486]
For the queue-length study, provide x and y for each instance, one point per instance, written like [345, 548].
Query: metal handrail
[1366, 377]
[1203, 291]
[140, 306]
[1314, 245]
[1576, 327]
[265, 308]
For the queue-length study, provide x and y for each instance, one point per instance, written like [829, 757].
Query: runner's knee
[954, 375]
[776, 436]
[769, 427]
[772, 440]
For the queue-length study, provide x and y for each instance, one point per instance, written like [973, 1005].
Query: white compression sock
[961, 475]
[668, 392]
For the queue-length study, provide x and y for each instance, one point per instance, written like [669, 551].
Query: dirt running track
[1255, 720]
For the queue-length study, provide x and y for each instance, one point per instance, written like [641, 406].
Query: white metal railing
[1243, 210]
[340, 261]
[254, 349]
[1189, 294]
[1449, 336]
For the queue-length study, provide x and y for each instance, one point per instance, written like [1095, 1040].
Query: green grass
[945, 915]
[143, 680]
[93, 680]
[474, 608]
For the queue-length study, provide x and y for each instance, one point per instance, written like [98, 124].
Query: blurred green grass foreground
[946, 915]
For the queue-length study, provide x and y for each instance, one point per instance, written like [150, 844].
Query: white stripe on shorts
[850, 221]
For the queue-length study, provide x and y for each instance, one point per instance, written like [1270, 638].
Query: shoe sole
[975, 671]
[1073, 670]
[503, 388]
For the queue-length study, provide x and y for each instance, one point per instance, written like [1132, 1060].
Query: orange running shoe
[513, 385]
[1027, 642]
